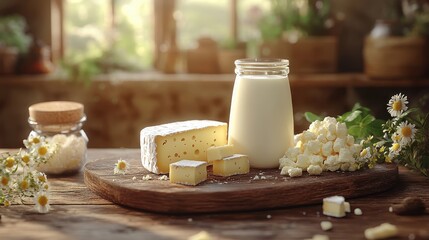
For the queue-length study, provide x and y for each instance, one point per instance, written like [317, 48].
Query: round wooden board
[236, 193]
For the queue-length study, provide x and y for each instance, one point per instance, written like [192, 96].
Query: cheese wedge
[188, 172]
[233, 165]
[219, 152]
[168, 143]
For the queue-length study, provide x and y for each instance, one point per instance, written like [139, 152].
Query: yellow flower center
[395, 147]
[363, 153]
[397, 106]
[26, 159]
[382, 149]
[42, 200]
[42, 151]
[10, 162]
[122, 165]
[406, 131]
[6, 203]
[24, 185]
[46, 186]
[4, 180]
[42, 178]
[36, 140]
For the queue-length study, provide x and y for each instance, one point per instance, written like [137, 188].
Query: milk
[261, 118]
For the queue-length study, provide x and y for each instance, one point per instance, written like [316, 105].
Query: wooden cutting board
[236, 193]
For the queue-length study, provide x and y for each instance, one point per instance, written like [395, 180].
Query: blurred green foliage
[12, 32]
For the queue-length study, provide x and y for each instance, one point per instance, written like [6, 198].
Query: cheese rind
[334, 206]
[219, 152]
[233, 165]
[168, 143]
[188, 172]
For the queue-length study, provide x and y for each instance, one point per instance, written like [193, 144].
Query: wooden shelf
[358, 80]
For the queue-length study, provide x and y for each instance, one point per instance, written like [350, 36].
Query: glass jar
[261, 118]
[60, 124]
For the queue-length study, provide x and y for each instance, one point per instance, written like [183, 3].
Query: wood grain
[78, 213]
[228, 194]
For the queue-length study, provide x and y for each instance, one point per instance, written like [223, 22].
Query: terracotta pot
[307, 55]
[312, 55]
[203, 59]
[395, 57]
[272, 49]
[226, 58]
[8, 59]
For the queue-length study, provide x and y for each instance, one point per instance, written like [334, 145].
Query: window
[135, 30]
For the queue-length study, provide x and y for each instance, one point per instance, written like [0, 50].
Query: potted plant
[397, 47]
[230, 51]
[13, 41]
[306, 37]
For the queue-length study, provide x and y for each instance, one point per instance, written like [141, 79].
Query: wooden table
[77, 213]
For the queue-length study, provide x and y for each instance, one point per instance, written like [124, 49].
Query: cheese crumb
[134, 178]
[203, 235]
[357, 211]
[147, 177]
[163, 178]
[390, 209]
[256, 177]
[268, 216]
[326, 225]
[295, 172]
[314, 170]
[320, 237]
[347, 207]
[385, 230]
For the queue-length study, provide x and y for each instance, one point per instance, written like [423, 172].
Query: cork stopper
[57, 112]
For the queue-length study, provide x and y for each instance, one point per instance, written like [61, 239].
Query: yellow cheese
[233, 165]
[188, 172]
[219, 152]
[334, 206]
[168, 143]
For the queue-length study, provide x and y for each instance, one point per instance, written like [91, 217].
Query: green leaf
[354, 116]
[375, 128]
[355, 131]
[343, 117]
[367, 120]
[311, 117]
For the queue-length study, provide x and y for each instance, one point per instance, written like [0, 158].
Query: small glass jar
[60, 124]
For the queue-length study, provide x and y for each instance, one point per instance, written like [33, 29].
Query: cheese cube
[188, 172]
[168, 143]
[334, 206]
[233, 165]
[219, 152]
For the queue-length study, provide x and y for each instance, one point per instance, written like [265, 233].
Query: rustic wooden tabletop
[78, 213]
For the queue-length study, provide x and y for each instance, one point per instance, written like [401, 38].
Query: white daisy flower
[10, 162]
[395, 149]
[396, 137]
[407, 132]
[397, 105]
[365, 153]
[121, 167]
[5, 181]
[33, 141]
[41, 201]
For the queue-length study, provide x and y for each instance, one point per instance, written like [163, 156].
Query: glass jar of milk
[261, 118]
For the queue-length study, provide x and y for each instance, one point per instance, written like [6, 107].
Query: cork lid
[57, 112]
